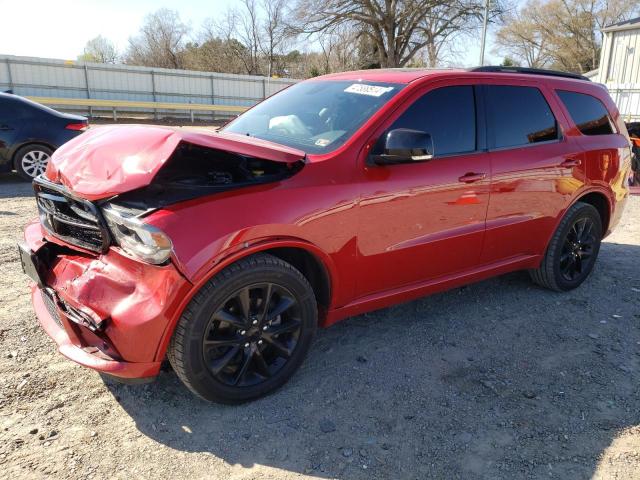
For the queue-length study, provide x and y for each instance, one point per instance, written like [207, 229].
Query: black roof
[529, 71]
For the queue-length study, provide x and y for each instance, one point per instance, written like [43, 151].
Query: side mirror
[404, 145]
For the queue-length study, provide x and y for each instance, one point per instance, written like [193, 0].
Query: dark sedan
[30, 132]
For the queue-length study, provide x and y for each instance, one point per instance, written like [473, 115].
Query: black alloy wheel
[577, 254]
[246, 331]
[572, 250]
[252, 335]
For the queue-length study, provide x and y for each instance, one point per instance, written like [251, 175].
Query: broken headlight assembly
[137, 238]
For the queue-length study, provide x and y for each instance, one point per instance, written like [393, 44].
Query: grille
[74, 220]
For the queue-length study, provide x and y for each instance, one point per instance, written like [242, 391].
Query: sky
[60, 28]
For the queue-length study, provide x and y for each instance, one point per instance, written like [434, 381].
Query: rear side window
[519, 116]
[448, 114]
[587, 112]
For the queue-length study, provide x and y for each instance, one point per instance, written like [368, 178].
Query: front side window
[587, 112]
[448, 114]
[315, 116]
[519, 116]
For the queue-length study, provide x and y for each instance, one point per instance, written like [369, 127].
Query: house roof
[626, 25]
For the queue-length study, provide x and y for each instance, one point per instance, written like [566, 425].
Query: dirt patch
[499, 379]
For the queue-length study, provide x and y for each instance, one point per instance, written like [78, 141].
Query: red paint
[116, 159]
[384, 234]
[74, 352]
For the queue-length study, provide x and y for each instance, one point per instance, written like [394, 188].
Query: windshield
[315, 116]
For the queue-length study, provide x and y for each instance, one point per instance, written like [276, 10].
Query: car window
[448, 114]
[316, 116]
[519, 116]
[587, 112]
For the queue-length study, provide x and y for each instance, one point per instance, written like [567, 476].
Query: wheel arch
[29, 143]
[313, 270]
[597, 198]
[601, 203]
[315, 264]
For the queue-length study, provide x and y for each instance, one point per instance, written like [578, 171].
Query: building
[620, 66]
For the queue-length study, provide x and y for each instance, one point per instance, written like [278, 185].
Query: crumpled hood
[110, 160]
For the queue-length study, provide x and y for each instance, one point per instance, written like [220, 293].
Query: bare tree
[563, 34]
[242, 26]
[522, 38]
[398, 29]
[161, 41]
[99, 50]
[274, 31]
[260, 31]
[339, 49]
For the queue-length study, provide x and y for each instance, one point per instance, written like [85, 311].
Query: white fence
[43, 77]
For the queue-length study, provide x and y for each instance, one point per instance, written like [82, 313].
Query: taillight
[77, 126]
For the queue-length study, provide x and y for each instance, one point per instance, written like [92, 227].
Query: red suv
[339, 195]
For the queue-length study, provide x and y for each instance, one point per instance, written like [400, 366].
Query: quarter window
[519, 116]
[587, 112]
[448, 114]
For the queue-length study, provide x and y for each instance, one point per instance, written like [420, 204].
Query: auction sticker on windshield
[364, 89]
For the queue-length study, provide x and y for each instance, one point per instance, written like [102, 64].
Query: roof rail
[529, 71]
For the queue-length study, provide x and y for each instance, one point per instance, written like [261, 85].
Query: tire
[225, 348]
[31, 160]
[574, 246]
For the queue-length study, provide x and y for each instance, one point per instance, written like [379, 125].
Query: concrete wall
[44, 77]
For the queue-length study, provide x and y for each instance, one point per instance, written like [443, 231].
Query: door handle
[571, 163]
[472, 177]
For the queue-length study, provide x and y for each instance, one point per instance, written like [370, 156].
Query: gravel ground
[499, 379]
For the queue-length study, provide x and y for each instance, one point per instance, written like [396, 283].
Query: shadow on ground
[499, 379]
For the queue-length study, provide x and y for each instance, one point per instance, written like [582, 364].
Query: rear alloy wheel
[246, 332]
[32, 160]
[573, 249]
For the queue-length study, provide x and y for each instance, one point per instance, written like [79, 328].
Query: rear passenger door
[536, 167]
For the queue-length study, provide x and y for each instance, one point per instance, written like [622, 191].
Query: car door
[536, 167]
[598, 135]
[10, 126]
[422, 220]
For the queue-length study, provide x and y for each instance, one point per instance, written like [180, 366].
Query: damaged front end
[106, 283]
[195, 171]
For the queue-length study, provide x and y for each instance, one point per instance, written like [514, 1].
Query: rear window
[519, 116]
[588, 113]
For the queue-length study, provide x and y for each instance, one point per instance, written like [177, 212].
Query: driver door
[424, 220]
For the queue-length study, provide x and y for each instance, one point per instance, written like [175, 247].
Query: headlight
[143, 241]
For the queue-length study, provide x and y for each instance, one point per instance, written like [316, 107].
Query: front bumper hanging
[106, 312]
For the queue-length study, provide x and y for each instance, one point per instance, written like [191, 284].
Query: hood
[111, 160]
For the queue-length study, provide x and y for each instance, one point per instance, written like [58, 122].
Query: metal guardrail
[113, 105]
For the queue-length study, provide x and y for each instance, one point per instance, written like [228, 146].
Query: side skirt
[417, 290]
